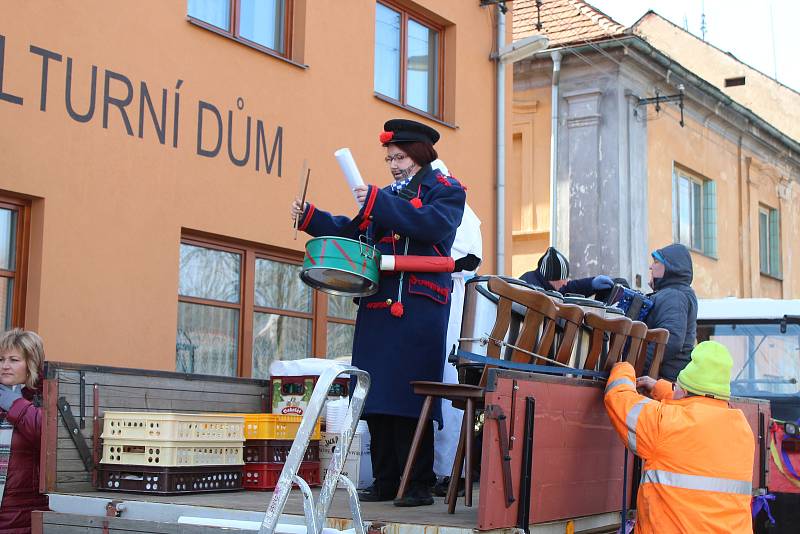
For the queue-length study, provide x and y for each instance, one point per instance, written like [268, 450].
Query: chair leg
[470, 438]
[415, 445]
[455, 474]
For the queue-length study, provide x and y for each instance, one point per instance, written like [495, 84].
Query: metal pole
[501, 146]
[525, 481]
[556, 56]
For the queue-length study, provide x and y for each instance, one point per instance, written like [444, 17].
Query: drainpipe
[501, 148]
[556, 56]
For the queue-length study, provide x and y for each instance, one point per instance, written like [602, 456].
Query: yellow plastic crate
[168, 426]
[171, 453]
[273, 426]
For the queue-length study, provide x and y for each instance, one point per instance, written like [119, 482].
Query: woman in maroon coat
[21, 359]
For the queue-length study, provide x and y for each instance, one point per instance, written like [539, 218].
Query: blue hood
[678, 262]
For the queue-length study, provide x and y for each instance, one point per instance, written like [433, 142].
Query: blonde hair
[32, 348]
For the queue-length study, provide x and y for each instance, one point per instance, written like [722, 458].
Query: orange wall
[109, 207]
[735, 271]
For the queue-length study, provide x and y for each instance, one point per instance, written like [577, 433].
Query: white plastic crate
[167, 426]
[171, 453]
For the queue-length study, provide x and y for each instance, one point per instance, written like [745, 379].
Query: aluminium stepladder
[315, 516]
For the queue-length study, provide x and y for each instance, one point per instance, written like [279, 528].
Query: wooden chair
[658, 337]
[616, 329]
[637, 338]
[571, 318]
[536, 335]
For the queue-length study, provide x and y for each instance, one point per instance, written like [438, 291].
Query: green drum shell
[341, 266]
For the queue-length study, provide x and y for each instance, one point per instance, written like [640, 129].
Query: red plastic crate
[264, 476]
[276, 450]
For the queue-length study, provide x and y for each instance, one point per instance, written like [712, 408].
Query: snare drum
[341, 266]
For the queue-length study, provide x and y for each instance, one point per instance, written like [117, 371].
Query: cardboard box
[358, 466]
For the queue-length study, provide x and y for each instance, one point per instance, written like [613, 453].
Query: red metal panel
[751, 408]
[47, 454]
[577, 457]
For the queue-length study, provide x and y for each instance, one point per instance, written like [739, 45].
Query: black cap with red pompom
[407, 131]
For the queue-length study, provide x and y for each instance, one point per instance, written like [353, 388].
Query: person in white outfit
[467, 242]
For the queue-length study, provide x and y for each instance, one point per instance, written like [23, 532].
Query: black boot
[375, 494]
[415, 496]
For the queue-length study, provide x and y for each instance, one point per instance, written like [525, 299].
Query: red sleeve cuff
[369, 204]
[306, 219]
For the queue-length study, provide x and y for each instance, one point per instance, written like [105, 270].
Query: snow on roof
[736, 308]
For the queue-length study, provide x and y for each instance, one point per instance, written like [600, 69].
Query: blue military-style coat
[397, 350]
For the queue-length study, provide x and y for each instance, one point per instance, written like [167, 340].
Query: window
[260, 23]
[694, 212]
[769, 241]
[733, 82]
[241, 307]
[408, 59]
[14, 229]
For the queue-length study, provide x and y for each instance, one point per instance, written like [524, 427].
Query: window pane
[6, 300]
[774, 243]
[675, 214]
[421, 76]
[763, 241]
[697, 216]
[684, 206]
[261, 21]
[209, 274]
[8, 239]
[340, 340]
[278, 337]
[387, 51]
[278, 285]
[207, 340]
[215, 12]
[341, 307]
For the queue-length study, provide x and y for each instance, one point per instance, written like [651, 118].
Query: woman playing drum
[400, 330]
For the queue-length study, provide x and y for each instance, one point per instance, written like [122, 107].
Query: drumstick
[305, 177]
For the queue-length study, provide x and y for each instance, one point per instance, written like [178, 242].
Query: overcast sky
[742, 27]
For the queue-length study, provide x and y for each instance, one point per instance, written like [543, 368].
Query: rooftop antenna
[685, 22]
[703, 19]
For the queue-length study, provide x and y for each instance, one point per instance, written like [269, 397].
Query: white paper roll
[349, 168]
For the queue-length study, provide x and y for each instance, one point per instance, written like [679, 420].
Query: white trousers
[446, 439]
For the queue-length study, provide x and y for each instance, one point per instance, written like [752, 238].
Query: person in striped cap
[552, 273]
[697, 451]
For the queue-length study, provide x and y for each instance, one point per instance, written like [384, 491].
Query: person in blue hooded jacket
[401, 330]
[674, 307]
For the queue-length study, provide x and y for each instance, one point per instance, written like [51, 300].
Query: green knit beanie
[709, 372]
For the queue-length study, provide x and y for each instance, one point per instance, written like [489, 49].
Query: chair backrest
[538, 327]
[616, 328]
[658, 338]
[637, 335]
[572, 318]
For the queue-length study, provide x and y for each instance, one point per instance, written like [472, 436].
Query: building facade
[633, 174]
[150, 151]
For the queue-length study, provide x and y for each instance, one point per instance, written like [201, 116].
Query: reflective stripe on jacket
[698, 457]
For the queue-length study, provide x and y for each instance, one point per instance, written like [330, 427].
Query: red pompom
[416, 202]
[385, 137]
[397, 309]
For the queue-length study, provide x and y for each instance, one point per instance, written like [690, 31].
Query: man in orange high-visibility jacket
[697, 451]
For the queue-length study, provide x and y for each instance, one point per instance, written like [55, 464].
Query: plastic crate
[290, 394]
[168, 480]
[263, 426]
[264, 476]
[171, 453]
[276, 450]
[169, 426]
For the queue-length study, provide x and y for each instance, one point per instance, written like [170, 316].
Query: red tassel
[416, 202]
[385, 137]
[397, 309]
